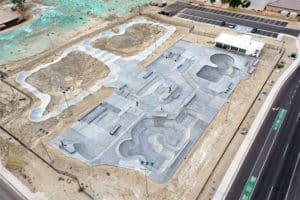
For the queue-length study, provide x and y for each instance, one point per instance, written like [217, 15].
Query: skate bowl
[156, 140]
[224, 66]
[209, 73]
[223, 61]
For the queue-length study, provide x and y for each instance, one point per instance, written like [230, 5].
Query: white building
[242, 44]
[292, 6]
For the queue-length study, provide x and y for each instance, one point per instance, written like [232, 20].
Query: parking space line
[240, 16]
[187, 14]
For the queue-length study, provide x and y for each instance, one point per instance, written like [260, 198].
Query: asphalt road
[7, 193]
[274, 157]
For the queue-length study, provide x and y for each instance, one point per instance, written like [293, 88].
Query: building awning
[240, 41]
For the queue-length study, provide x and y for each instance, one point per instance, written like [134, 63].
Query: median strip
[277, 123]
[249, 188]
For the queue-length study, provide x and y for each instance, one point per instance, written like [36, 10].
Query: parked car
[254, 30]
[231, 26]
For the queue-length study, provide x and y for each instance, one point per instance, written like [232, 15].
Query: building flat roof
[240, 41]
[286, 4]
[7, 15]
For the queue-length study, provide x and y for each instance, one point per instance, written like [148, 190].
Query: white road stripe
[285, 150]
[292, 178]
[268, 153]
[269, 195]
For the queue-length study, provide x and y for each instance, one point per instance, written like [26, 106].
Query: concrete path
[107, 58]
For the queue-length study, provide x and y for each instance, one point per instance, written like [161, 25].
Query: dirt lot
[77, 71]
[135, 39]
[34, 173]
[6, 14]
[11, 102]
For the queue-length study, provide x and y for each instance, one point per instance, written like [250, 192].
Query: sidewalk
[245, 147]
[18, 186]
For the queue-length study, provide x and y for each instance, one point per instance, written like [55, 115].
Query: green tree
[19, 7]
[246, 4]
[237, 3]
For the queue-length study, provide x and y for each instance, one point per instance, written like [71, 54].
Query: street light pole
[146, 163]
[155, 38]
[228, 108]
[146, 182]
[281, 46]
[64, 94]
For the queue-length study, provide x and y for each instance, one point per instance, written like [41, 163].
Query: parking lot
[180, 6]
[241, 16]
[221, 23]
[259, 25]
[206, 20]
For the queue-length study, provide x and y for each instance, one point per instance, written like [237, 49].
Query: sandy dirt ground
[12, 102]
[33, 11]
[105, 182]
[135, 39]
[6, 14]
[34, 173]
[73, 74]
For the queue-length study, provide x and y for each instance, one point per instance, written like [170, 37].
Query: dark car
[254, 30]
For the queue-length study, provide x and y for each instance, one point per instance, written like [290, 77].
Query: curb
[240, 156]
[14, 183]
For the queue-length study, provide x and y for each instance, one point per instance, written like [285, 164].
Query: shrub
[80, 189]
[279, 65]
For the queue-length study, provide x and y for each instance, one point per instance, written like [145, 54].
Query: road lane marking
[285, 150]
[298, 116]
[281, 114]
[269, 195]
[292, 178]
[259, 155]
